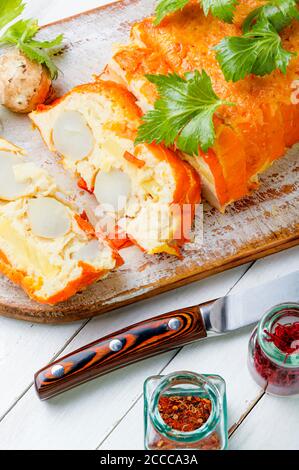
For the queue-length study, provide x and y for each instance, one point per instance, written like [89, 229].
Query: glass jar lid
[174, 384]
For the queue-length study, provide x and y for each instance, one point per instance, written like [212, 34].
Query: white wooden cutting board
[262, 224]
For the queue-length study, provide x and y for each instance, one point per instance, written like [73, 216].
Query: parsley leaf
[183, 114]
[38, 54]
[22, 34]
[165, 7]
[259, 52]
[222, 9]
[279, 13]
[23, 30]
[9, 10]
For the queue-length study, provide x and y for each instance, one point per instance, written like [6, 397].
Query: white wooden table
[108, 413]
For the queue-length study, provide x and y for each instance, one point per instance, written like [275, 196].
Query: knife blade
[236, 311]
[163, 333]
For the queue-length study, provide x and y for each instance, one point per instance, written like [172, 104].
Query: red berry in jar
[274, 351]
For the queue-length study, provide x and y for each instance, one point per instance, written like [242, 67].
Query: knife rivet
[115, 345]
[174, 324]
[57, 370]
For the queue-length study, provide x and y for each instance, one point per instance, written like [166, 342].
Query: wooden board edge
[275, 247]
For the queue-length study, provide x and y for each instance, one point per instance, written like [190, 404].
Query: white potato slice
[48, 217]
[89, 252]
[10, 188]
[72, 136]
[113, 188]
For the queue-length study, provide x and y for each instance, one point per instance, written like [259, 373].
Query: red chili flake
[184, 413]
[84, 216]
[83, 185]
[285, 337]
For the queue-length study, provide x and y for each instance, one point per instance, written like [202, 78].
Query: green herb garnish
[259, 52]
[10, 10]
[22, 33]
[222, 9]
[166, 7]
[279, 13]
[183, 114]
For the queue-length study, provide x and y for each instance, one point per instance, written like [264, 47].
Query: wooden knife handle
[120, 349]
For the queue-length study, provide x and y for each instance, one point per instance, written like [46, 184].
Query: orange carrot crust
[187, 192]
[188, 184]
[31, 286]
[89, 276]
[129, 114]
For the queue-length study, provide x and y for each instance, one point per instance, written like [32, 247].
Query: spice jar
[274, 351]
[185, 410]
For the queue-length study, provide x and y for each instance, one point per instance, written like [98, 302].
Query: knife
[163, 333]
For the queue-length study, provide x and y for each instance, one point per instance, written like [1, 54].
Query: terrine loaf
[250, 135]
[147, 190]
[46, 246]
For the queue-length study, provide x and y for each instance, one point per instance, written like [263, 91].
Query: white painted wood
[25, 348]
[86, 417]
[267, 269]
[272, 425]
[83, 417]
[48, 11]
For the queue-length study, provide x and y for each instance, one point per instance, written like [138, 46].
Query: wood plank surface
[278, 418]
[107, 413]
[265, 223]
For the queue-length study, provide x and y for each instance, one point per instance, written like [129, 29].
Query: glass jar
[212, 435]
[274, 370]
